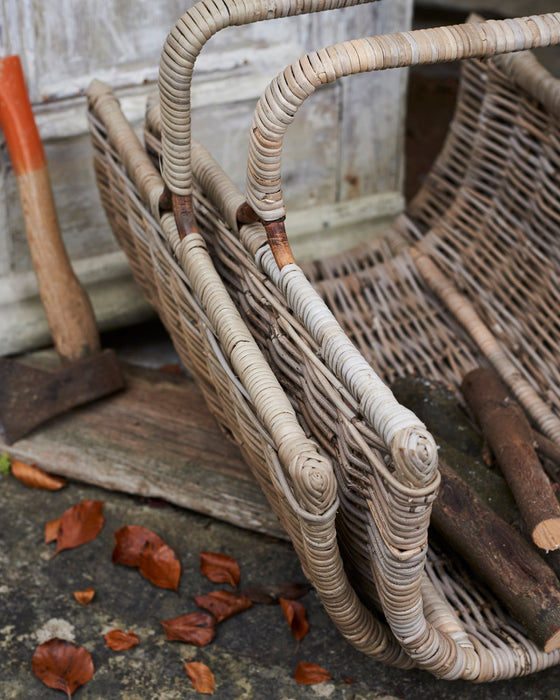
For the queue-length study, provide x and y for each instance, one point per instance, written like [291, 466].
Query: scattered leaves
[34, 477]
[309, 674]
[79, 524]
[270, 595]
[201, 676]
[117, 640]
[84, 597]
[195, 628]
[223, 604]
[220, 568]
[296, 615]
[5, 463]
[62, 665]
[136, 546]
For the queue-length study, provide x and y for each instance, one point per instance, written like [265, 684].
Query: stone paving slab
[253, 654]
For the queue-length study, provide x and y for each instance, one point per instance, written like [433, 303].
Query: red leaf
[270, 595]
[84, 597]
[79, 524]
[139, 547]
[223, 604]
[62, 665]
[220, 568]
[51, 530]
[201, 676]
[308, 674]
[296, 616]
[35, 478]
[195, 628]
[117, 640]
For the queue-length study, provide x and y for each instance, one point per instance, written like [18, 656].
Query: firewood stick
[461, 447]
[510, 437]
[501, 557]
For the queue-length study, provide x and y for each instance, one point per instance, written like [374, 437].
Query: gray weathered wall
[345, 145]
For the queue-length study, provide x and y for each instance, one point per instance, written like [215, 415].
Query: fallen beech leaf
[270, 595]
[220, 568]
[195, 628]
[130, 542]
[51, 530]
[349, 681]
[117, 640]
[62, 665]
[201, 676]
[84, 597]
[159, 564]
[34, 477]
[223, 604]
[139, 547]
[308, 674]
[296, 615]
[79, 524]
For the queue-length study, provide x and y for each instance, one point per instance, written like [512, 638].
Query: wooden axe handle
[67, 306]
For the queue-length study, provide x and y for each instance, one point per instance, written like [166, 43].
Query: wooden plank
[156, 439]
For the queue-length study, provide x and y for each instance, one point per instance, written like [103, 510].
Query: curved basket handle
[180, 51]
[277, 107]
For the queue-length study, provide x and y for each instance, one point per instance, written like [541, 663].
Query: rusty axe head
[29, 396]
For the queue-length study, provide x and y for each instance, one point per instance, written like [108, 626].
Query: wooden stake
[500, 556]
[510, 438]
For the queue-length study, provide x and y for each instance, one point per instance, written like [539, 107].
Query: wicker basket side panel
[498, 241]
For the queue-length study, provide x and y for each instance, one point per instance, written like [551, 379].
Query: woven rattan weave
[293, 363]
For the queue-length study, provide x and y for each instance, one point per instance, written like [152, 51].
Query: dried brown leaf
[130, 542]
[139, 547]
[160, 565]
[223, 604]
[270, 595]
[79, 524]
[309, 674]
[84, 597]
[117, 640]
[34, 477]
[296, 615]
[201, 676]
[51, 530]
[220, 568]
[62, 665]
[195, 628]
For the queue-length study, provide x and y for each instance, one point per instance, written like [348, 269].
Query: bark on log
[510, 438]
[501, 557]
[461, 448]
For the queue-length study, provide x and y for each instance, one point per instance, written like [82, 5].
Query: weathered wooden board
[156, 438]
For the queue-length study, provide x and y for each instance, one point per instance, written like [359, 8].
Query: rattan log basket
[294, 361]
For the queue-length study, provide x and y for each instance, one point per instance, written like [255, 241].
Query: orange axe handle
[66, 304]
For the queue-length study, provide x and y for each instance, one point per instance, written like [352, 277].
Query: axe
[30, 396]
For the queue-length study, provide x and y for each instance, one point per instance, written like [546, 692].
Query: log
[461, 448]
[501, 557]
[510, 437]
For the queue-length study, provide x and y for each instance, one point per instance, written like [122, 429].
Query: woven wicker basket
[293, 362]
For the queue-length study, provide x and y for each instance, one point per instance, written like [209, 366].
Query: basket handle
[278, 105]
[180, 51]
